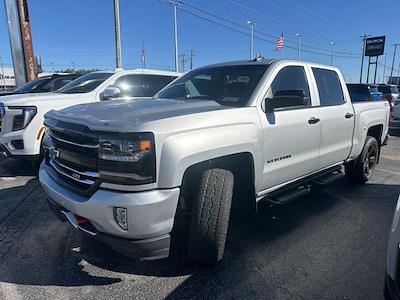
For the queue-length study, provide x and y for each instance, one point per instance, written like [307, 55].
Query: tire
[362, 169]
[210, 217]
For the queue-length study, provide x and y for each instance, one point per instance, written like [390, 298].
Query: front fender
[182, 150]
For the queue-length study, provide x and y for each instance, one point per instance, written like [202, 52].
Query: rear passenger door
[291, 134]
[337, 118]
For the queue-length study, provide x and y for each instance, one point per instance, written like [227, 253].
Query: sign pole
[376, 68]
[369, 64]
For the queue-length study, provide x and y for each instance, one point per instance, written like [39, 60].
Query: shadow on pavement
[16, 167]
[280, 243]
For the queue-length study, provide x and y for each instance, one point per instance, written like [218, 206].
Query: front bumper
[150, 216]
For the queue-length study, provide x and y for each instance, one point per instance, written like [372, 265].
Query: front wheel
[362, 169]
[210, 217]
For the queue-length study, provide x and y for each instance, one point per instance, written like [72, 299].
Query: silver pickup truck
[213, 142]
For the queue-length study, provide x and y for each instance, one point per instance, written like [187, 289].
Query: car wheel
[361, 170]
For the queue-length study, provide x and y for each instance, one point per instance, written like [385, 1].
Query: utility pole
[191, 59]
[332, 52]
[118, 60]
[398, 74]
[252, 24]
[52, 67]
[183, 57]
[394, 57]
[175, 6]
[384, 68]
[73, 67]
[298, 45]
[143, 57]
[3, 74]
[364, 38]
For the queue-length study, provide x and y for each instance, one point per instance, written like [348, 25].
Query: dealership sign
[374, 46]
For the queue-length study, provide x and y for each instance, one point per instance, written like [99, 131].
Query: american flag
[279, 42]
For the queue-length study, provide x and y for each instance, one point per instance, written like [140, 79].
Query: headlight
[127, 158]
[22, 120]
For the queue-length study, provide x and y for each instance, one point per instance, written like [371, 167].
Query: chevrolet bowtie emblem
[53, 152]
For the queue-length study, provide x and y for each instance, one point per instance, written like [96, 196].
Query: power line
[246, 33]
[263, 33]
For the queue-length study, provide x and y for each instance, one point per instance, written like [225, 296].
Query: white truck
[216, 140]
[21, 116]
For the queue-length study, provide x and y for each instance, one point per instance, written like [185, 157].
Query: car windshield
[31, 85]
[384, 89]
[85, 83]
[373, 89]
[227, 85]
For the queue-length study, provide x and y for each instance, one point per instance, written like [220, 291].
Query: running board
[289, 196]
[328, 179]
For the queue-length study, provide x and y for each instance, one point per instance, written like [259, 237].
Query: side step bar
[289, 196]
[325, 180]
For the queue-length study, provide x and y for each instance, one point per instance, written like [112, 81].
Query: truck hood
[35, 98]
[120, 115]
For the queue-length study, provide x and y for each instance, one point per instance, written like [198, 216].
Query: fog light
[120, 216]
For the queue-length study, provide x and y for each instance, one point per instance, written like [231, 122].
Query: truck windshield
[85, 83]
[227, 85]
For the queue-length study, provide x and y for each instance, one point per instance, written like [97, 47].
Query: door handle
[313, 120]
[348, 115]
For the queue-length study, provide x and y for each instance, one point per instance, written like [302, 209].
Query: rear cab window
[359, 92]
[329, 87]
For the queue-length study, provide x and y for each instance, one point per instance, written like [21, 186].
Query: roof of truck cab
[264, 61]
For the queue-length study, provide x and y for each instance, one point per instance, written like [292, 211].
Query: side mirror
[286, 99]
[111, 93]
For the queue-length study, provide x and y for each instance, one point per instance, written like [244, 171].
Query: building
[7, 79]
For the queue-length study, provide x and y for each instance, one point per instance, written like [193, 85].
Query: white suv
[21, 116]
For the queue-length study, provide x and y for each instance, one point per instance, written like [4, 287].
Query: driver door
[291, 132]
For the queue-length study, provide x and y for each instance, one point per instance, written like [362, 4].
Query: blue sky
[81, 31]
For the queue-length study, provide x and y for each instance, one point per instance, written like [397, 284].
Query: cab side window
[130, 86]
[329, 87]
[290, 89]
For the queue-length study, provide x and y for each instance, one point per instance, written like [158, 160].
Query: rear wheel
[210, 216]
[362, 169]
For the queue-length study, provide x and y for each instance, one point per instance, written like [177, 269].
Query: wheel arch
[243, 169]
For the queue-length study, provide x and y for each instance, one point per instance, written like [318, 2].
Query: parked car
[392, 278]
[21, 116]
[43, 84]
[362, 92]
[375, 93]
[396, 109]
[252, 128]
[390, 92]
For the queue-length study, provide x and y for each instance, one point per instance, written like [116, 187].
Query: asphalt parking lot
[331, 244]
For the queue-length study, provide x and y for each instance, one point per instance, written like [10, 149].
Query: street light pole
[394, 57]
[4, 75]
[175, 5]
[252, 24]
[333, 46]
[118, 60]
[298, 45]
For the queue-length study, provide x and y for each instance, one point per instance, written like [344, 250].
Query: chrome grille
[72, 158]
